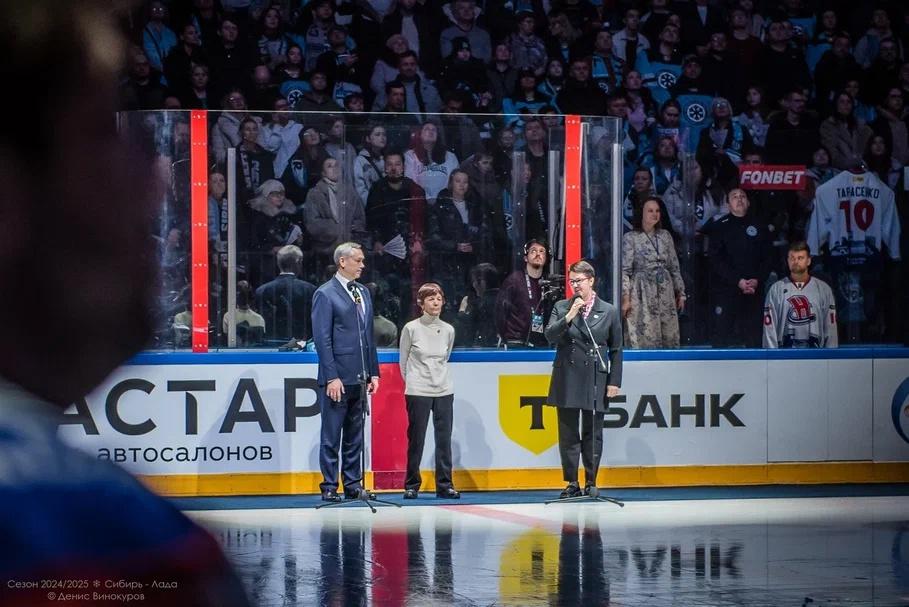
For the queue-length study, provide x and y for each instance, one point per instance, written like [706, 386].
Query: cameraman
[521, 308]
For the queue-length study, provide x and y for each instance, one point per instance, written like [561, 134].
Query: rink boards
[247, 423]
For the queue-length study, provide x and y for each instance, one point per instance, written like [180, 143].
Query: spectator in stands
[428, 162]
[339, 147]
[581, 95]
[463, 15]
[281, 136]
[699, 20]
[290, 76]
[891, 124]
[273, 43]
[396, 207]
[207, 18]
[304, 168]
[653, 21]
[250, 324]
[369, 166]
[520, 310]
[781, 67]
[143, 89]
[274, 219]
[501, 75]
[182, 58]
[879, 159]
[231, 60]
[653, 291]
[560, 44]
[642, 108]
[286, 301]
[475, 324]
[693, 201]
[419, 24]
[756, 22]
[341, 63]
[666, 166]
[528, 51]
[536, 155]
[742, 43]
[255, 164]
[869, 46]
[606, 68]
[460, 133]
[722, 71]
[640, 191]
[333, 213]
[457, 235]
[262, 91]
[157, 38]
[629, 41]
[421, 96]
[197, 96]
[844, 135]
[820, 170]
[315, 38]
[217, 211]
[835, 68]
[724, 137]
[884, 70]
[792, 137]
[524, 99]
[865, 112]
[740, 262]
[483, 181]
[668, 122]
[386, 67]
[318, 98]
[226, 132]
[755, 115]
[461, 72]
[399, 123]
[384, 331]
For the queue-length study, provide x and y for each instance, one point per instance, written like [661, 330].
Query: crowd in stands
[452, 179]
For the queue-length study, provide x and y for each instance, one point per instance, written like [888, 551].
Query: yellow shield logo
[529, 567]
[523, 414]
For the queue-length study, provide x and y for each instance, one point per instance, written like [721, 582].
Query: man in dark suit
[286, 301]
[342, 326]
[580, 380]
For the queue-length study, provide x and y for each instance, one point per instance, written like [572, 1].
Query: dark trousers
[345, 417]
[572, 444]
[418, 411]
[736, 320]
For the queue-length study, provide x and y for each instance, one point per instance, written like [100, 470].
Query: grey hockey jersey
[797, 317]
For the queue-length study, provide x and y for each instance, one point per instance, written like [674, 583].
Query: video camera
[553, 287]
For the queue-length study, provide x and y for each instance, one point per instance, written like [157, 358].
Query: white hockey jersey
[800, 317]
[854, 214]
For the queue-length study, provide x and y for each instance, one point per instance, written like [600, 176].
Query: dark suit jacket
[286, 305]
[578, 380]
[336, 334]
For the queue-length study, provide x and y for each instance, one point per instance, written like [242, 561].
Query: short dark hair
[582, 266]
[389, 152]
[799, 245]
[535, 241]
[394, 84]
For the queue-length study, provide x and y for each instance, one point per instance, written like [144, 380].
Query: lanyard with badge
[536, 318]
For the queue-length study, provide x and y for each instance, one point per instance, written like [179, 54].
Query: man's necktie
[361, 309]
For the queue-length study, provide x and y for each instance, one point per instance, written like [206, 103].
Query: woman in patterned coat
[652, 288]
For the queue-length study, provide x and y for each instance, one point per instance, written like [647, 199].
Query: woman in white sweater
[426, 344]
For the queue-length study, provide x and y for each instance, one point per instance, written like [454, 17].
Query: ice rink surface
[817, 551]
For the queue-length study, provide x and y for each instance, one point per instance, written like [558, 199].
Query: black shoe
[448, 494]
[410, 494]
[359, 493]
[572, 490]
[588, 487]
[331, 496]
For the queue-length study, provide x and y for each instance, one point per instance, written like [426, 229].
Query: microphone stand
[363, 496]
[593, 492]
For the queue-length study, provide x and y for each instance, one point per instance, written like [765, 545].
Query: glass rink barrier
[256, 201]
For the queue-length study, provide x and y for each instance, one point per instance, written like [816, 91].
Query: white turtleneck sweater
[426, 344]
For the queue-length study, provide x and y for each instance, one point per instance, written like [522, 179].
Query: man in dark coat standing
[580, 382]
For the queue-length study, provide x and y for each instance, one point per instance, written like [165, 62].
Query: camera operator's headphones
[536, 241]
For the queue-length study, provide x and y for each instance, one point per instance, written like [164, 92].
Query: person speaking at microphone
[342, 316]
[587, 334]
